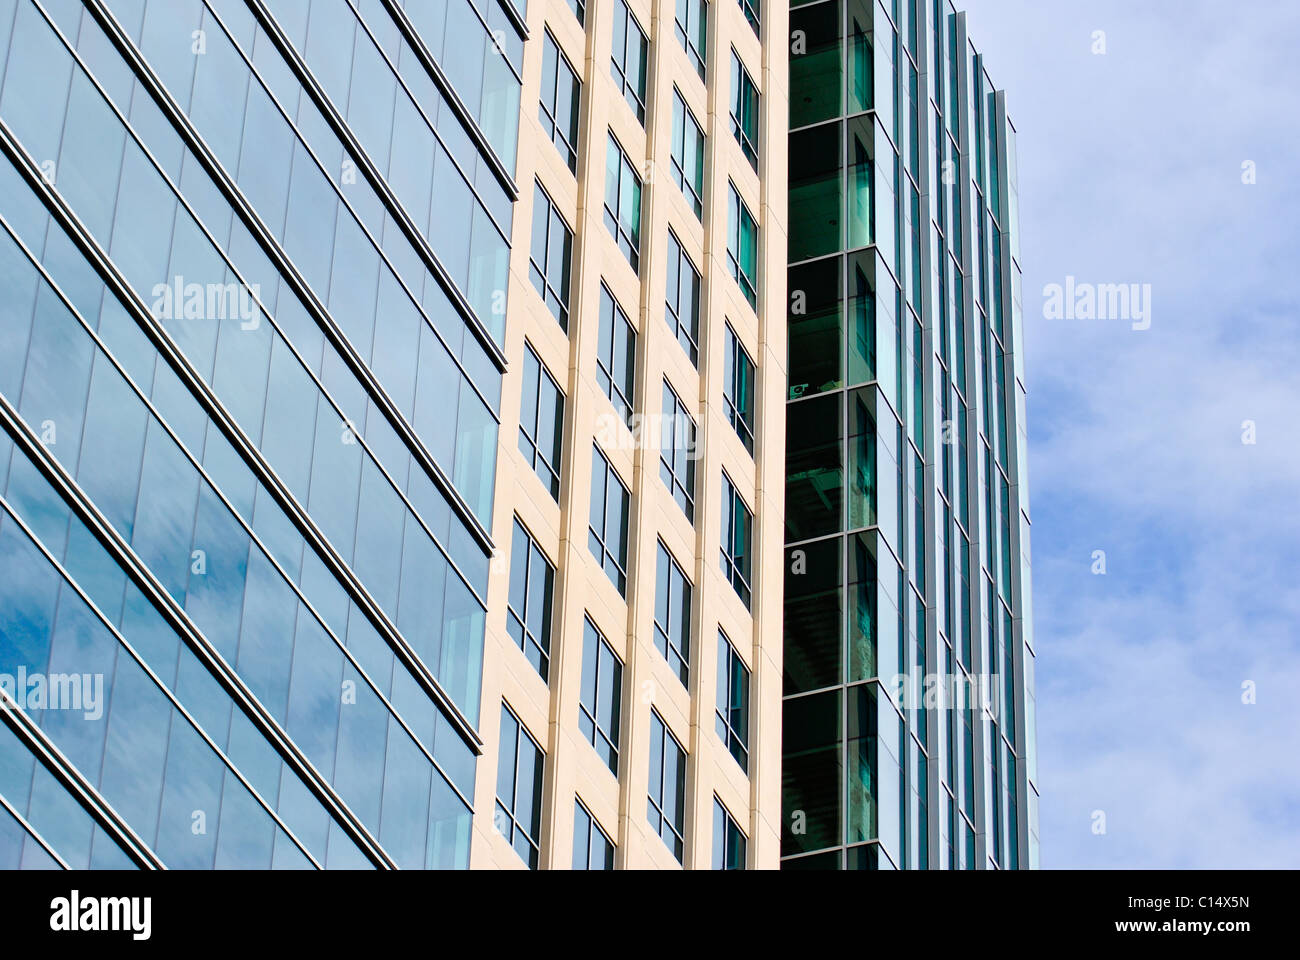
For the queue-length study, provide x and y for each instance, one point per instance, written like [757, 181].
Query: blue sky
[1131, 172]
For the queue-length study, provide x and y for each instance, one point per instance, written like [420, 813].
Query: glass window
[742, 246]
[816, 71]
[752, 9]
[737, 530]
[592, 848]
[579, 8]
[519, 788]
[560, 99]
[623, 203]
[628, 64]
[677, 452]
[744, 110]
[616, 355]
[667, 801]
[814, 479]
[738, 389]
[688, 154]
[601, 694]
[728, 841]
[532, 581]
[731, 712]
[683, 298]
[673, 613]
[692, 26]
[550, 256]
[812, 766]
[610, 508]
[816, 192]
[541, 421]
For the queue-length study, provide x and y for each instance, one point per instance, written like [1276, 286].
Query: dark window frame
[678, 654]
[530, 416]
[567, 141]
[738, 568]
[629, 242]
[636, 98]
[588, 712]
[540, 273]
[692, 187]
[597, 541]
[622, 396]
[661, 736]
[742, 420]
[688, 328]
[537, 650]
[508, 815]
[733, 701]
[674, 456]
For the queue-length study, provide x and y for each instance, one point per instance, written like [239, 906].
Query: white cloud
[1130, 171]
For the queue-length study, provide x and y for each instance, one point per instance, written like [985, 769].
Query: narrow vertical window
[688, 154]
[607, 533]
[737, 529]
[592, 848]
[673, 614]
[541, 421]
[692, 27]
[742, 246]
[616, 355]
[600, 698]
[519, 788]
[744, 110]
[550, 256]
[677, 452]
[731, 714]
[738, 389]
[561, 96]
[532, 581]
[666, 807]
[683, 313]
[628, 62]
[623, 203]
[728, 841]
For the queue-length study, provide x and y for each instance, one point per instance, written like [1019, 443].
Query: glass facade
[908, 728]
[253, 261]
